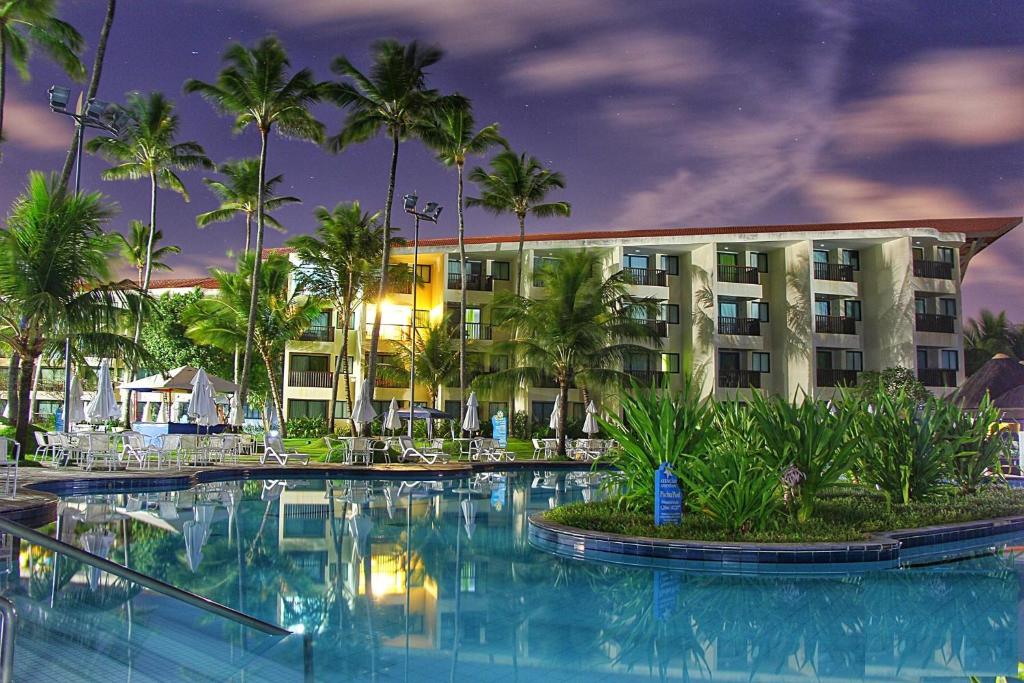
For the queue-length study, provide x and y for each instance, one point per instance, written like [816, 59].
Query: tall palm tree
[341, 263]
[134, 248]
[437, 358]
[145, 148]
[239, 194]
[988, 334]
[25, 24]
[393, 99]
[518, 184]
[580, 333]
[451, 132]
[256, 89]
[223, 320]
[55, 280]
[91, 89]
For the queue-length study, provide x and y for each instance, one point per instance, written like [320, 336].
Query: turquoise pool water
[437, 581]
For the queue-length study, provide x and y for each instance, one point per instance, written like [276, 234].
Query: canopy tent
[177, 386]
[422, 413]
[179, 380]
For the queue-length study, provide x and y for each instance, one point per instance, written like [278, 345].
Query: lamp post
[102, 116]
[430, 213]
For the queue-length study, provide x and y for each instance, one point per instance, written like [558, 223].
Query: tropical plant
[256, 89]
[222, 320]
[809, 443]
[580, 333]
[393, 99]
[307, 427]
[239, 194]
[658, 426]
[451, 133]
[891, 380]
[988, 334]
[25, 24]
[977, 462]
[164, 338]
[437, 357]
[136, 245]
[518, 184]
[55, 281]
[340, 265]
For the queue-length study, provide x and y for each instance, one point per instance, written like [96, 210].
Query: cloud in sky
[848, 198]
[33, 126]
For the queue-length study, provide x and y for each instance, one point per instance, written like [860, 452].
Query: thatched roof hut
[998, 376]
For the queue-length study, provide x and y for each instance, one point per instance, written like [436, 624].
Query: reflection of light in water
[387, 574]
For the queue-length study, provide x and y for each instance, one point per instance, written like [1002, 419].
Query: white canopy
[104, 405]
[471, 421]
[178, 379]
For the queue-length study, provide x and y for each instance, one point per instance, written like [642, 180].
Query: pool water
[437, 581]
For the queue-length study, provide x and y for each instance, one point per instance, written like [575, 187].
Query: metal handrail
[8, 617]
[205, 604]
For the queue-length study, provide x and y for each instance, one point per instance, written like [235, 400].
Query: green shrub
[977, 461]
[307, 427]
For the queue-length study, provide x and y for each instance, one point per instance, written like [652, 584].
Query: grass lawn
[318, 450]
[838, 517]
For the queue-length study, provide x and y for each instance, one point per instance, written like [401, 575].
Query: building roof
[184, 283]
[999, 375]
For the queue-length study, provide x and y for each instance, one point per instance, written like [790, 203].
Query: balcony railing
[322, 379]
[940, 270]
[648, 376]
[659, 327]
[840, 272]
[929, 322]
[324, 333]
[834, 324]
[747, 275]
[50, 385]
[647, 276]
[478, 331]
[739, 379]
[745, 326]
[403, 287]
[391, 382]
[834, 377]
[474, 282]
[937, 377]
[392, 331]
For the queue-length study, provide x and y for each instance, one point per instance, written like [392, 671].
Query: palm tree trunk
[90, 92]
[344, 350]
[385, 259]
[563, 391]
[274, 394]
[337, 369]
[248, 231]
[24, 419]
[462, 308]
[147, 271]
[520, 274]
[12, 386]
[3, 76]
[243, 390]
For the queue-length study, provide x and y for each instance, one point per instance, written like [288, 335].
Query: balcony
[400, 287]
[745, 275]
[658, 327]
[834, 324]
[647, 276]
[648, 377]
[940, 270]
[396, 382]
[390, 331]
[750, 327]
[839, 272]
[321, 333]
[937, 377]
[50, 385]
[322, 379]
[474, 282]
[929, 322]
[739, 379]
[833, 377]
[478, 331]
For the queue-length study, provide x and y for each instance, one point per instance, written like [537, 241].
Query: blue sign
[499, 428]
[498, 495]
[668, 497]
[666, 594]
[59, 419]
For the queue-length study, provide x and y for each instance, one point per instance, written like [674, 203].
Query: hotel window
[950, 360]
[637, 261]
[351, 321]
[539, 264]
[670, 313]
[501, 270]
[303, 363]
[852, 309]
[454, 409]
[727, 308]
[47, 407]
[822, 307]
[855, 361]
[670, 264]
[298, 407]
[670, 362]
[759, 260]
[920, 306]
[823, 358]
[851, 257]
[922, 358]
[820, 256]
[946, 255]
[494, 407]
[341, 410]
[760, 362]
[540, 412]
[947, 306]
[499, 362]
[728, 258]
[759, 310]
[423, 274]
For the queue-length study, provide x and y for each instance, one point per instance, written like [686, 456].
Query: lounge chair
[273, 448]
[10, 451]
[538, 448]
[429, 455]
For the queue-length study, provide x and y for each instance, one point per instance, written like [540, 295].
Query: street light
[95, 114]
[430, 213]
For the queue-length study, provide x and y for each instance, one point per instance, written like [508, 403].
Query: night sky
[658, 113]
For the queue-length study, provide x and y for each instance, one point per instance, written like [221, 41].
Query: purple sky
[659, 113]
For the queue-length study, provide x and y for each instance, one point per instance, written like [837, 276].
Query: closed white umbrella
[469, 516]
[75, 411]
[195, 534]
[556, 413]
[161, 415]
[97, 543]
[362, 411]
[590, 423]
[236, 418]
[7, 411]
[391, 421]
[471, 422]
[201, 405]
[103, 405]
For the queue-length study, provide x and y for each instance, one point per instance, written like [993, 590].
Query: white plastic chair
[273, 448]
[10, 465]
[168, 446]
[135, 447]
[538, 448]
[43, 445]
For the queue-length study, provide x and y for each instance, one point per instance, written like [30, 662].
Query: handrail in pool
[205, 604]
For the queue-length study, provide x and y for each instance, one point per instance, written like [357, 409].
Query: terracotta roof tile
[184, 282]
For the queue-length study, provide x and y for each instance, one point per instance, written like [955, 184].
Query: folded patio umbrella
[75, 410]
[98, 543]
[590, 424]
[556, 413]
[196, 534]
[391, 421]
[201, 405]
[236, 418]
[471, 422]
[362, 411]
[469, 516]
[103, 405]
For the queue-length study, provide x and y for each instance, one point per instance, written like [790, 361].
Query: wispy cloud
[33, 127]
[848, 198]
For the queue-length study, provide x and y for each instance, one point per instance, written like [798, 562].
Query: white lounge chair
[538, 448]
[273, 448]
[429, 455]
[10, 452]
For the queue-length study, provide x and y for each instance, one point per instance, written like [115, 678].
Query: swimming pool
[437, 580]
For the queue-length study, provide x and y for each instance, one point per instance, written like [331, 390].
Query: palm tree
[451, 133]
[581, 333]
[341, 262]
[256, 89]
[518, 184]
[239, 194]
[223, 320]
[55, 281]
[92, 89]
[392, 99]
[437, 358]
[988, 334]
[134, 249]
[145, 149]
[25, 24]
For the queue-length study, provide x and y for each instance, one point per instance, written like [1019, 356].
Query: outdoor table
[466, 446]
